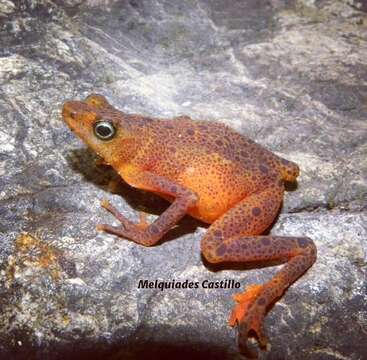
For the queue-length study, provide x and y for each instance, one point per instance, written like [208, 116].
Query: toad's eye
[104, 130]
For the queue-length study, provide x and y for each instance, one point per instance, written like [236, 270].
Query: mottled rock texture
[290, 74]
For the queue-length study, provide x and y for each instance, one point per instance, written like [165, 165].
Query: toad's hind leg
[231, 239]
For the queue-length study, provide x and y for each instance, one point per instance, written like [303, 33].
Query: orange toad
[207, 170]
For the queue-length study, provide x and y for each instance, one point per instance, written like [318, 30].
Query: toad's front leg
[146, 234]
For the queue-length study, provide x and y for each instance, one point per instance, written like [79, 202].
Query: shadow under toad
[83, 161]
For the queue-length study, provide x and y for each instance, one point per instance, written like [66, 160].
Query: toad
[216, 175]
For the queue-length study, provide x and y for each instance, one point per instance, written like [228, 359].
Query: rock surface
[290, 74]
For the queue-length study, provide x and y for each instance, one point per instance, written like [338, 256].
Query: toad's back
[209, 158]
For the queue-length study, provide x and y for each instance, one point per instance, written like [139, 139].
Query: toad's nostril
[70, 109]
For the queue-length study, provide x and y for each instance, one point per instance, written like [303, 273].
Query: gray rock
[289, 74]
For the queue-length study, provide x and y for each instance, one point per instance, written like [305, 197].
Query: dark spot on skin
[303, 242]
[190, 132]
[280, 182]
[172, 149]
[217, 233]
[221, 250]
[174, 189]
[261, 301]
[168, 126]
[256, 211]
[154, 229]
[285, 162]
[219, 142]
[264, 169]
[265, 241]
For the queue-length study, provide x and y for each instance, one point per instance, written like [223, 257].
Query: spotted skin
[212, 173]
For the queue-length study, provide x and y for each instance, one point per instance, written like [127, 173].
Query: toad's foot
[248, 315]
[128, 229]
[142, 224]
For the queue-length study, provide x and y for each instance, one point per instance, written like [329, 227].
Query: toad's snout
[70, 109]
[78, 114]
